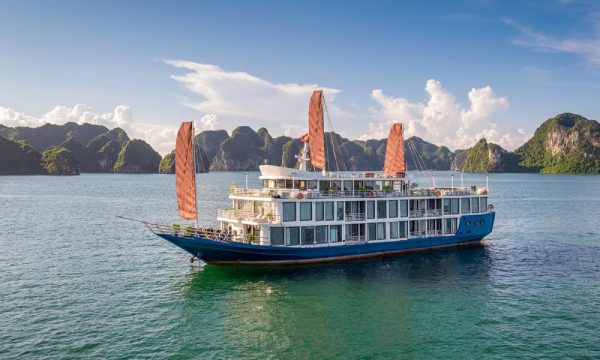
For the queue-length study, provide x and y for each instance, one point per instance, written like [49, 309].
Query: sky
[451, 72]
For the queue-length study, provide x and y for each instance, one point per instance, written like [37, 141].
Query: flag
[304, 138]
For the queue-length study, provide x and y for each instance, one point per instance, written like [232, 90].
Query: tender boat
[303, 216]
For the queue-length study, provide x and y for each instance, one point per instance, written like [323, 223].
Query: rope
[334, 144]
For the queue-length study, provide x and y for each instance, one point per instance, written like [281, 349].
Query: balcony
[247, 216]
[355, 217]
[425, 213]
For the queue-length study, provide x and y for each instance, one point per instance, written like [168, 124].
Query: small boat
[303, 216]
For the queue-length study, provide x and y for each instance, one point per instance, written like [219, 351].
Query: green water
[75, 282]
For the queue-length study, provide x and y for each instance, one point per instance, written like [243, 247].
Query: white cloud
[237, 97]
[160, 137]
[209, 122]
[442, 120]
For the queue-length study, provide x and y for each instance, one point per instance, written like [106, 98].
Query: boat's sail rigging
[185, 171]
[394, 153]
[316, 130]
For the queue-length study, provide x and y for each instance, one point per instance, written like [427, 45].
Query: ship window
[378, 185]
[289, 184]
[372, 231]
[474, 205]
[404, 208]
[301, 184]
[321, 234]
[308, 235]
[311, 184]
[380, 231]
[446, 206]
[293, 236]
[370, 209]
[271, 184]
[340, 210]
[336, 185]
[359, 185]
[277, 236]
[305, 211]
[394, 234]
[335, 233]
[369, 185]
[393, 211]
[455, 206]
[465, 205]
[289, 211]
[483, 204]
[347, 185]
[280, 184]
[381, 209]
[450, 226]
[324, 185]
[329, 211]
[403, 229]
[319, 211]
[265, 183]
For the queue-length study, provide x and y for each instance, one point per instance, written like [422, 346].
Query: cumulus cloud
[442, 119]
[237, 97]
[160, 137]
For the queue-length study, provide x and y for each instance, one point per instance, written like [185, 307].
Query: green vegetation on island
[137, 157]
[58, 160]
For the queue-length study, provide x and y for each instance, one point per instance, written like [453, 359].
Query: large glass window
[340, 210]
[450, 226]
[403, 229]
[347, 185]
[483, 204]
[370, 209]
[372, 231]
[403, 208]
[305, 211]
[393, 208]
[474, 205]
[381, 231]
[447, 207]
[289, 211]
[302, 184]
[324, 185]
[277, 236]
[308, 235]
[394, 234]
[280, 184]
[321, 234]
[336, 185]
[311, 184]
[319, 211]
[293, 236]
[455, 205]
[465, 205]
[329, 210]
[335, 233]
[381, 209]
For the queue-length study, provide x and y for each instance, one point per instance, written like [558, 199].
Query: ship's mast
[195, 170]
[304, 159]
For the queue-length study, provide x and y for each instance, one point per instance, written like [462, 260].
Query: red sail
[394, 152]
[316, 130]
[184, 172]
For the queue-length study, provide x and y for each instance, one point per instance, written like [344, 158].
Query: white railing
[355, 238]
[241, 215]
[356, 217]
[425, 213]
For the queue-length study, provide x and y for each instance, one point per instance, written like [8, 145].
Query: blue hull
[217, 252]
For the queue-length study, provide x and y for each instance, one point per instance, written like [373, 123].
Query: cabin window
[483, 204]
[381, 209]
[465, 205]
[280, 184]
[319, 211]
[474, 205]
[347, 185]
[324, 185]
[450, 226]
[381, 231]
[393, 208]
[271, 184]
[293, 236]
[335, 233]
[446, 206]
[311, 184]
[378, 185]
[308, 235]
[305, 211]
[404, 208]
[277, 236]
[340, 210]
[369, 185]
[329, 215]
[289, 184]
[359, 185]
[336, 185]
[301, 184]
[394, 234]
[289, 211]
[372, 231]
[455, 202]
[321, 234]
[370, 209]
[265, 183]
[403, 229]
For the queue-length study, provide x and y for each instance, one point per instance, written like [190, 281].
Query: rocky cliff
[58, 160]
[486, 157]
[19, 158]
[137, 157]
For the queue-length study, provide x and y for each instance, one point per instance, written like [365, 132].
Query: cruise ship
[309, 214]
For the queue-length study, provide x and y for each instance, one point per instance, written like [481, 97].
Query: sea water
[77, 282]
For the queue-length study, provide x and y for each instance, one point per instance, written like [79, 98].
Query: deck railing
[425, 213]
[356, 217]
[242, 215]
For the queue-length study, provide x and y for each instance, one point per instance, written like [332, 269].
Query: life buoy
[437, 193]
[300, 196]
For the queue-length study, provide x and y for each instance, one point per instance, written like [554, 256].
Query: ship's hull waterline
[472, 229]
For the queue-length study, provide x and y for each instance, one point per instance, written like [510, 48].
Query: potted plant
[250, 238]
[269, 216]
[188, 231]
[176, 228]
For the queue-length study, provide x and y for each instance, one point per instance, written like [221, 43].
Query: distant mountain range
[566, 143]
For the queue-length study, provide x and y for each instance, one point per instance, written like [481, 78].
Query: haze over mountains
[567, 143]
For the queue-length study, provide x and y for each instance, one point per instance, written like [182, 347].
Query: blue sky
[453, 71]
